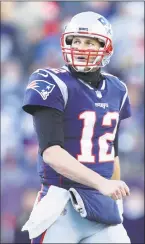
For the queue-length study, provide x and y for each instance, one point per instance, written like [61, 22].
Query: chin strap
[92, 78]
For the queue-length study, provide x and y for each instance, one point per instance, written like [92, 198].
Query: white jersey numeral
[86, 144]
[104, 156]
[45, 72]
[42, 72]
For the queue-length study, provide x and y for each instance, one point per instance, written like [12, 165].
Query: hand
[116, 189]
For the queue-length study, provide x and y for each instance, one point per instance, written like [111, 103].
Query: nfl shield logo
[98, 94]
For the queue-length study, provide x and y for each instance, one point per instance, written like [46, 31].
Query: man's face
[84, 43]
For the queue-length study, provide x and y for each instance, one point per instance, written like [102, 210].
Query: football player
[77, 110]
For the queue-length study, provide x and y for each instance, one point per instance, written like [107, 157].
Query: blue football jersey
[91, 116]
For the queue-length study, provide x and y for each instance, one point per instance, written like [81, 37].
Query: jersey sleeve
[45, 89]
[125, 110]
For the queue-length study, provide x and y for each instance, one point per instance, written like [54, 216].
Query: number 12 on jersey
[86, 143]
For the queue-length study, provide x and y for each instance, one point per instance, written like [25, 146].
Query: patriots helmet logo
[106, 24]
[103, 21]
[44, 88]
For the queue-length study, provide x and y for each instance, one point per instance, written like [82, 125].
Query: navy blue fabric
[58, 89]
[100, 208]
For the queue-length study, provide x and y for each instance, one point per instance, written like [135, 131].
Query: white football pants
[70, 227]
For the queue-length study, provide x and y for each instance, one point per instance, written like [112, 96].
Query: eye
[76, 42]
[90, 44]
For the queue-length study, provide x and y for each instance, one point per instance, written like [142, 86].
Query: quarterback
[77, 110]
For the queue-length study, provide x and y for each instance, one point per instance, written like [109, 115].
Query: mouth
[81, 58]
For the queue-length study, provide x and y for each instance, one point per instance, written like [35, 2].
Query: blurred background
[30, 33]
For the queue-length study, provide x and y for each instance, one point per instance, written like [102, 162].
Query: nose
[82, 46]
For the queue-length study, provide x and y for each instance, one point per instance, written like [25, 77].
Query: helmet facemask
[99, 56]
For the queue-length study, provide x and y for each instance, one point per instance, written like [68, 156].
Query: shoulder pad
[45, 89]
[43, 81]
[117, 82]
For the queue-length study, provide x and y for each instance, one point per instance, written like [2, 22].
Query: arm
[62, 162]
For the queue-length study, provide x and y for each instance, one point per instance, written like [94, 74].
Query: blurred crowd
[30, 39]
